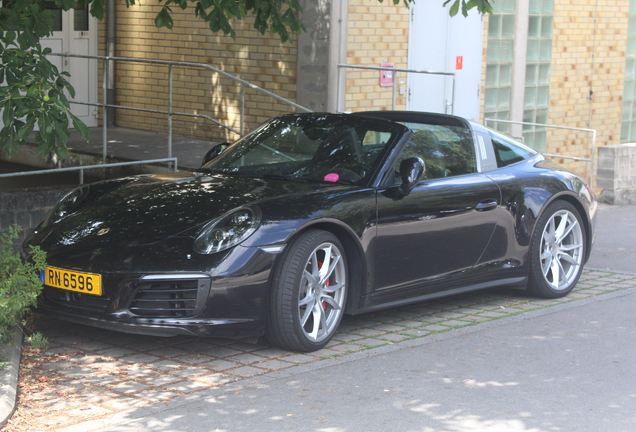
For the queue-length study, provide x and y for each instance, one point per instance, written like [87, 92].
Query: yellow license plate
[87, 283]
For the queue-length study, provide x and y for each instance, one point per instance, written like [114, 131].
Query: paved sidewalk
[131, 144]
[91, 374]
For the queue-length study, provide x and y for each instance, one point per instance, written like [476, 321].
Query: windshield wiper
[281, 177]
[220, 172]
[206, 171]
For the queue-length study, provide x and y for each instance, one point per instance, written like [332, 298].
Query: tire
[557, 251]
[309, 292]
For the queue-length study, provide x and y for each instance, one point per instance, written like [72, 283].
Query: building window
[538, 58]
[501, 29]
[628, 129]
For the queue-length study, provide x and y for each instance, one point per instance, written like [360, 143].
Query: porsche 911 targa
[312, 216]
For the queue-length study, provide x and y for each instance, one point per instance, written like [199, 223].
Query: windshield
[336, 148]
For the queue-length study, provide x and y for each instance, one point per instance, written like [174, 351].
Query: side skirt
[513, 283]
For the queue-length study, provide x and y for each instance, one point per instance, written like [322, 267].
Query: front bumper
[163, 327]
[230, 304]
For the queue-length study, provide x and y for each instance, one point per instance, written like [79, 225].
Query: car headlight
[66, 205]
[227, 231]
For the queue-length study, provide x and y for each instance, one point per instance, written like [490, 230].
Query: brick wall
[377, 33]
[260, 60]
[484, 58]
[588, 54]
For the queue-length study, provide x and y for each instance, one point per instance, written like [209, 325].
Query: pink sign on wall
[386, 76]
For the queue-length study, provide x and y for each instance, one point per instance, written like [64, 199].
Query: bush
[20, 283]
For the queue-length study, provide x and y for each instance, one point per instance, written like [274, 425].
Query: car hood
[148, 209]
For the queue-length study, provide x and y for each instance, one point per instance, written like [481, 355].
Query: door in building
[75, 32]
[440, 43]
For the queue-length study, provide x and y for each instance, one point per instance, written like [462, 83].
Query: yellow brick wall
[377, 33]
[484, 61]
[588, 53]
[260, 60]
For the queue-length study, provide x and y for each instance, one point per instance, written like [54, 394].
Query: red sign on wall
[459, 62]
[386, 76]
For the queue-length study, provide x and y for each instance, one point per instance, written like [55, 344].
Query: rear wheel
[309, 291]
[557, 251]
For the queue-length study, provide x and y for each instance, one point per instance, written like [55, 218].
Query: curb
[9, 377]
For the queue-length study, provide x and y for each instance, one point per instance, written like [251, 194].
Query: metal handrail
[592, 131]
[86, 167]
[109, 59]
[342, 67]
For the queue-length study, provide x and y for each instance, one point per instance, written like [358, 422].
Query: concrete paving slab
[131, 144]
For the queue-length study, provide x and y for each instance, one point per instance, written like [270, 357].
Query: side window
[373, 143]
[509, 151]
[446, 150]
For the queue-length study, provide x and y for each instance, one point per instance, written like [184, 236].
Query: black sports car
[312, 216]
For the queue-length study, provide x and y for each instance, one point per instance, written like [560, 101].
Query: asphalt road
[565, 368]
[615, 247]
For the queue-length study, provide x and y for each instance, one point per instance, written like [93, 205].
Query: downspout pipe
[110, 64]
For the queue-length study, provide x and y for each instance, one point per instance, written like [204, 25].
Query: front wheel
[557, 251]
[309, 291]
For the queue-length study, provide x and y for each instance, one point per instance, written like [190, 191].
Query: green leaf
[44, 123]
[80, 127]
[9, 36]
[164, 19]
[61, 132]
[97, 9]
[9, 144]
[26, 130]
[8, 113]
[71, 90]
[454, 8]
[65, 4]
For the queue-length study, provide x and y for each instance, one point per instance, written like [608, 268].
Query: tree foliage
[34, 92]
[20, 284]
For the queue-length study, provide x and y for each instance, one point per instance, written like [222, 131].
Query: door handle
[486, 205]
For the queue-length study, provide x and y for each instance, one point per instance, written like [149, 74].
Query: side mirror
[411, 170]
[214, 152]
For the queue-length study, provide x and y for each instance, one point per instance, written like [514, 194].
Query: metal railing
[343, 67]
[83, 168]
[589, 160]
[169, 111]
